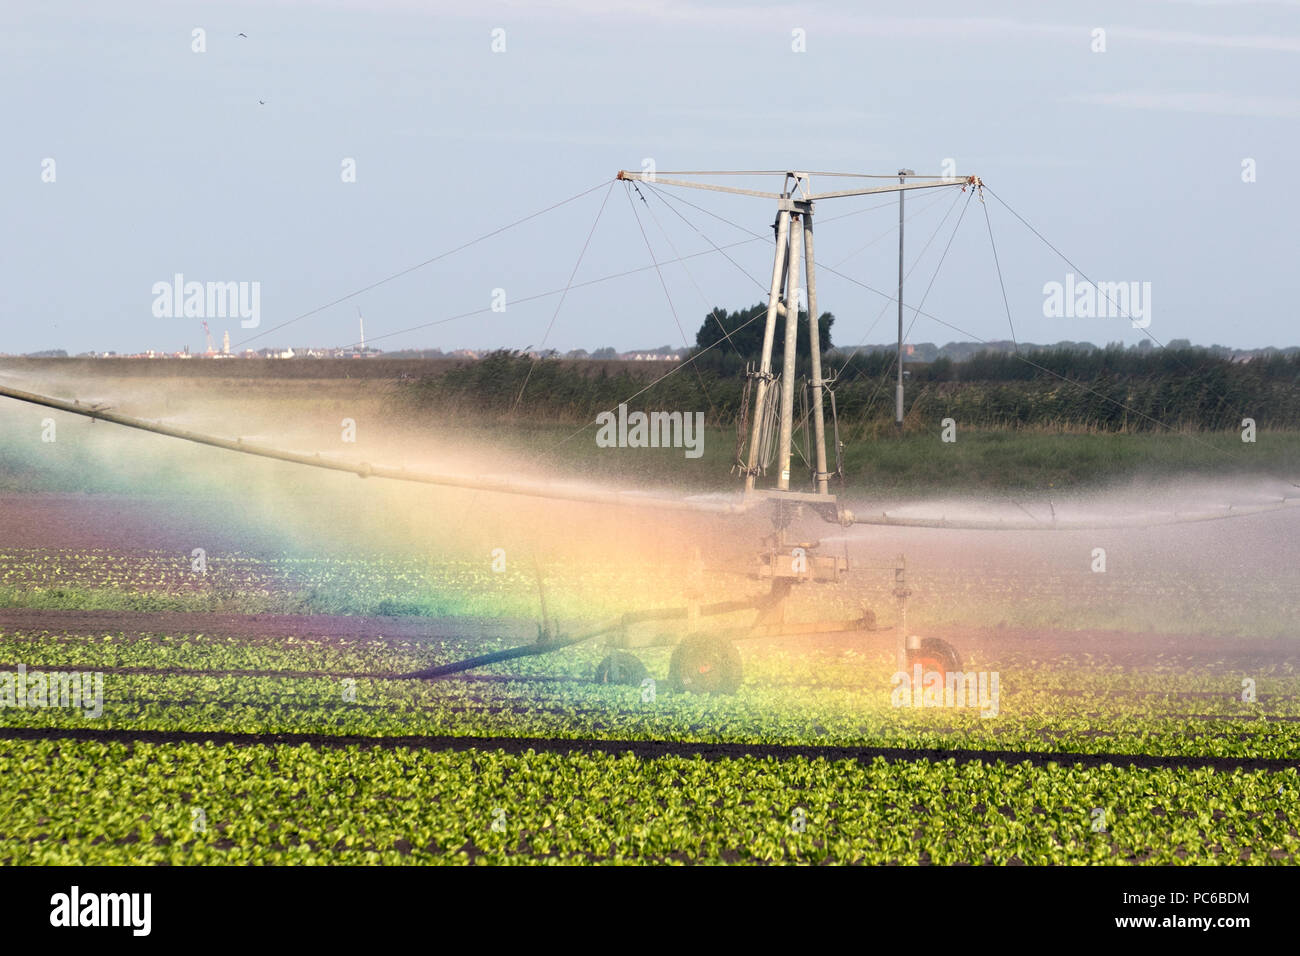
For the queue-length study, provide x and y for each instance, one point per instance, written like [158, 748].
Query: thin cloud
[818, 20]
[1232, 3]
[1219, 104]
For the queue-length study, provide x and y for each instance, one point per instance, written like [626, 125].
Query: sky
[341, 144]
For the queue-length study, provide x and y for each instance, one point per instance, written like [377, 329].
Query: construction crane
[211, 349]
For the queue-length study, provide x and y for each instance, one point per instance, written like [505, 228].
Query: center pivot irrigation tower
[794, 247]
[786, 562]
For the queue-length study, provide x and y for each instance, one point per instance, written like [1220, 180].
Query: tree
[608, 352]
[745, 329]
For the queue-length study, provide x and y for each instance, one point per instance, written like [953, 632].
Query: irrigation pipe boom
[826, 505]
[364, 469]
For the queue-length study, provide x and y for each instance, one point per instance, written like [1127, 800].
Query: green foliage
[405, 799]
[587, 590]
[561, 390]
[205, 804]
[398, 802]
[1111, 390]
[728, 341]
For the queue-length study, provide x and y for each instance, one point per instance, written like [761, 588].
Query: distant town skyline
[915, 352]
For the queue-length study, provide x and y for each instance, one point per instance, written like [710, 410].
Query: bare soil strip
[648, 749]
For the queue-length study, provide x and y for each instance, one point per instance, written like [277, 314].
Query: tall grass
[1110, 390]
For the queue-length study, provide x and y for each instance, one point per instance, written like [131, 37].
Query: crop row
[1027, 720]
[143, 579]
[93, 803]
[1089, 680]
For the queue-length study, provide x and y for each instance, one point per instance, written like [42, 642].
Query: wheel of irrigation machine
[620, 667]
[705, 664]
[934, 654]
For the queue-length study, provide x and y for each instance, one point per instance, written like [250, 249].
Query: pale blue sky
[1129, 161]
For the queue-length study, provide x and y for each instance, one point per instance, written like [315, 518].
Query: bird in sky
[244, 35]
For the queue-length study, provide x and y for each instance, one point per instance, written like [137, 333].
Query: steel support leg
[815, 352]
[769, 333]
[791, 344]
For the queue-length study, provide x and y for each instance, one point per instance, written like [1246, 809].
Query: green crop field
[261, 709]
[277, 804]
[242, 748]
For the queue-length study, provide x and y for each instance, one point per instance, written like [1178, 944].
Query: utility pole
[898, 392]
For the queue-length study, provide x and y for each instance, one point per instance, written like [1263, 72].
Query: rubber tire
[705, 664]
[932, 648]
[620, 667]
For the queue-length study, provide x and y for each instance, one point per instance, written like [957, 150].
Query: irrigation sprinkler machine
[705, 660]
